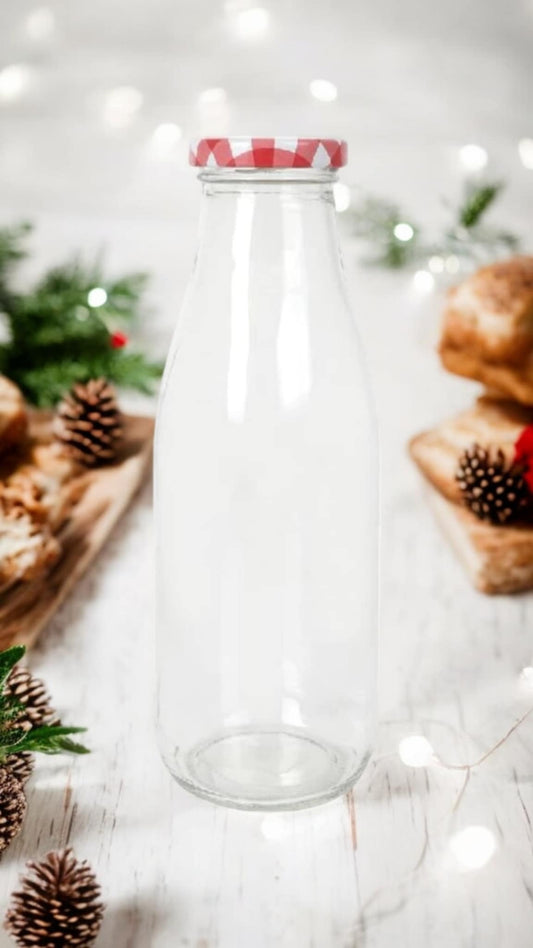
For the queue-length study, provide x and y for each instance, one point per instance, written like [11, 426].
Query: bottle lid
[319, 153]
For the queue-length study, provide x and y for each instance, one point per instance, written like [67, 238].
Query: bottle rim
[319, 154]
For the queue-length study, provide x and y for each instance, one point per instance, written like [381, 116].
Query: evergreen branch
[51, 739]
[8, 659]
[46, 739]
[477, 201]
[11, 738]
[57, 337]
[376, 222]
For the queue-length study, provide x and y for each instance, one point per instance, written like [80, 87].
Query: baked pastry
[13, 416]
[497, 559]
[487, 331]
[490, 423]
[27, 546]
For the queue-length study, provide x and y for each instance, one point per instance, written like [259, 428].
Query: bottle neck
[276, 222]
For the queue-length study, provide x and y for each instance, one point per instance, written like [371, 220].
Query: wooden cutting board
[27, 607]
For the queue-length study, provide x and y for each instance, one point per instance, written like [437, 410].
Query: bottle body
[266, 508]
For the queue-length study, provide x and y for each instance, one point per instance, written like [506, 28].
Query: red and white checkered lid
[320, 153]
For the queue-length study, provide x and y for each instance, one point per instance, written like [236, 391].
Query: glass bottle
[266, 493]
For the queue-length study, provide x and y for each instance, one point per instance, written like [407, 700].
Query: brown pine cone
[12, 807]
[19, 765]
[492, 488]
[88, 423]
[57, 905]
[32, 694]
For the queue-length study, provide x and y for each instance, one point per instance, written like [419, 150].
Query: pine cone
[19, 765]
[88, 423]
[493, 489]
[58, 904]
[12, 807]
[32, 693]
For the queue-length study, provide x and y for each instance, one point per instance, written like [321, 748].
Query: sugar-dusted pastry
[487, 331]
[46, 484]
[27, 546]
[491, 423]
[13, 416]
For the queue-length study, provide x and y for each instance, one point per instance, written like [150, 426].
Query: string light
[525, 150]
[423, 281]
[342, 196]
[97, 297]
[164, 139]
[473, 157]
[473, 847]
[14, 81]
[323, 90]
[436, 264]
[452, 264]
[416, 751]
[122, 105]
[250, 23]
[403, 232]
[212, 96]
[40, 24]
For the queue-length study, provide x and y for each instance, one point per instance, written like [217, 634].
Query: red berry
[524, 453]
[119, 340]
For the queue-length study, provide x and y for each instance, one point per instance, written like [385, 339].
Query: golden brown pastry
[487, 331]
[27, 546]
[490, 423]
[13, 416]
[497, 559]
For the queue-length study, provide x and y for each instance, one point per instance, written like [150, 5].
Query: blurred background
[98, 101]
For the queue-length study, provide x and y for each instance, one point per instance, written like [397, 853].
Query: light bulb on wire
[14, 81]
[164, 139]
[525, 151]
[473, 847]
[473, 158]
[121, 106]
[323, 90]
[249, 23]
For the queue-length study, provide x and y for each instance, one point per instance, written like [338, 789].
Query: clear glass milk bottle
[266, 493]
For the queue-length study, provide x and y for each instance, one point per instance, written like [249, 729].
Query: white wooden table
[372, 869]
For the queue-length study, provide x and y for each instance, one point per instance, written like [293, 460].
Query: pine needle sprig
[46, 739]
[476, 202]
[57, 336]
[13, 249]
[375, 222]
[466, 236]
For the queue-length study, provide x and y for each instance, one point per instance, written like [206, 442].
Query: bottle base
[267, 769]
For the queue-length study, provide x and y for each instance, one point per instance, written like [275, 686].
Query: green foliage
[51, 739]
[375, 220]
[48, 739]
[477, 200]
[56, 338]
[8, 660]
